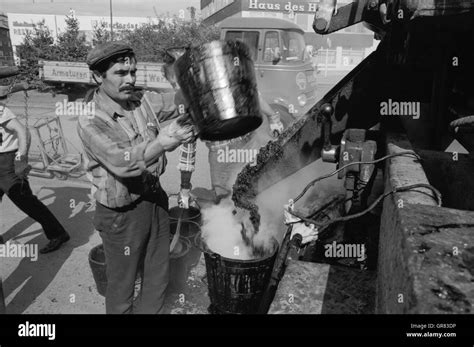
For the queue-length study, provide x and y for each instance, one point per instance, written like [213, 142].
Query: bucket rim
[205, 249]
[172, 219]
[189, 236]
[186, 221]
[90, 254]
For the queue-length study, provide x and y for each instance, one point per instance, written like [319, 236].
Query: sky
[121, 8]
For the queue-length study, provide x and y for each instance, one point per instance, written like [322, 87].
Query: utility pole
[111, 23]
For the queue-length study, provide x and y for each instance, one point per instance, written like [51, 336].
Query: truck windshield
[293, 46]
[248, 37]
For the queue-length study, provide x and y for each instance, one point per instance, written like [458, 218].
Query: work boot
[55, 243]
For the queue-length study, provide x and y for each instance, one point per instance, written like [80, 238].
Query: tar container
[237, 286]
[218, 81]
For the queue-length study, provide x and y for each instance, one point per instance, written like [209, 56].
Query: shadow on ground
[35, 276]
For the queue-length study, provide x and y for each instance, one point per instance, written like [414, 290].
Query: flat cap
[102, 53]
[8, 71]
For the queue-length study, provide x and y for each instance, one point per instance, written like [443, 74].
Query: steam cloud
[222, 228]
[221, 232]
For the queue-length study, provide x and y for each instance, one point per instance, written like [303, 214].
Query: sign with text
[300, 6]
[148, 74]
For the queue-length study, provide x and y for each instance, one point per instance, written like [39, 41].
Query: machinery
[387, 126]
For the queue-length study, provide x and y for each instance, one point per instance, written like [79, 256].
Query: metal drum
[218, 81]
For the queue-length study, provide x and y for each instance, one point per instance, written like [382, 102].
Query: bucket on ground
[98, 267]
[237, 286]
[190, 224]
[179, 265]
[189, 214]
[99, 270]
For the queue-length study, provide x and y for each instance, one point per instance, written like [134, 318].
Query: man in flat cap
[125, 150]
[14, 144]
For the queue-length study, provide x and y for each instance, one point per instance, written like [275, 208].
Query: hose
[322, 226]
[405, 153]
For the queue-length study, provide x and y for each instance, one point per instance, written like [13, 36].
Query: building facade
[22, 23]
[6, 51]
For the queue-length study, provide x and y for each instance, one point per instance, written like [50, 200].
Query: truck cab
[285, 74]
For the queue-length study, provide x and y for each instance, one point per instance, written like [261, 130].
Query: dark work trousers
[136, 239]
[19, 192]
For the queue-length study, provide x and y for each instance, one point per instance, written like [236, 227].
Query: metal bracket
[329, 18]
[355, 147]
[329, 153]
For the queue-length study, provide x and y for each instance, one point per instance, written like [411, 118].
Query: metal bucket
[179, 266]
[98, 268]
[190, 221]
[218, 81]
[237, 286]
[189, 231]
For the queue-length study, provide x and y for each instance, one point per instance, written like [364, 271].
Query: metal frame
[61, 166]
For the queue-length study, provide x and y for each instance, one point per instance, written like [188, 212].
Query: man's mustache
[131, 88]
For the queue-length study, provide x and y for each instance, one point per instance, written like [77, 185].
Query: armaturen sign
[283, 6]
[148, 74]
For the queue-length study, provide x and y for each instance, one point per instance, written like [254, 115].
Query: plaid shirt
[115, 141]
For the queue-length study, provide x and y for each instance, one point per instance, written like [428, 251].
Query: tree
[36, 46]
[72, 44]
[101, 33]
[151, 40]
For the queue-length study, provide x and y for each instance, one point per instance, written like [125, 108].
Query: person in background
[14, 168]
[125, 150]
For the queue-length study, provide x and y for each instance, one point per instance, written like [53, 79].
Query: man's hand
[176, 133]
[22, 168]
